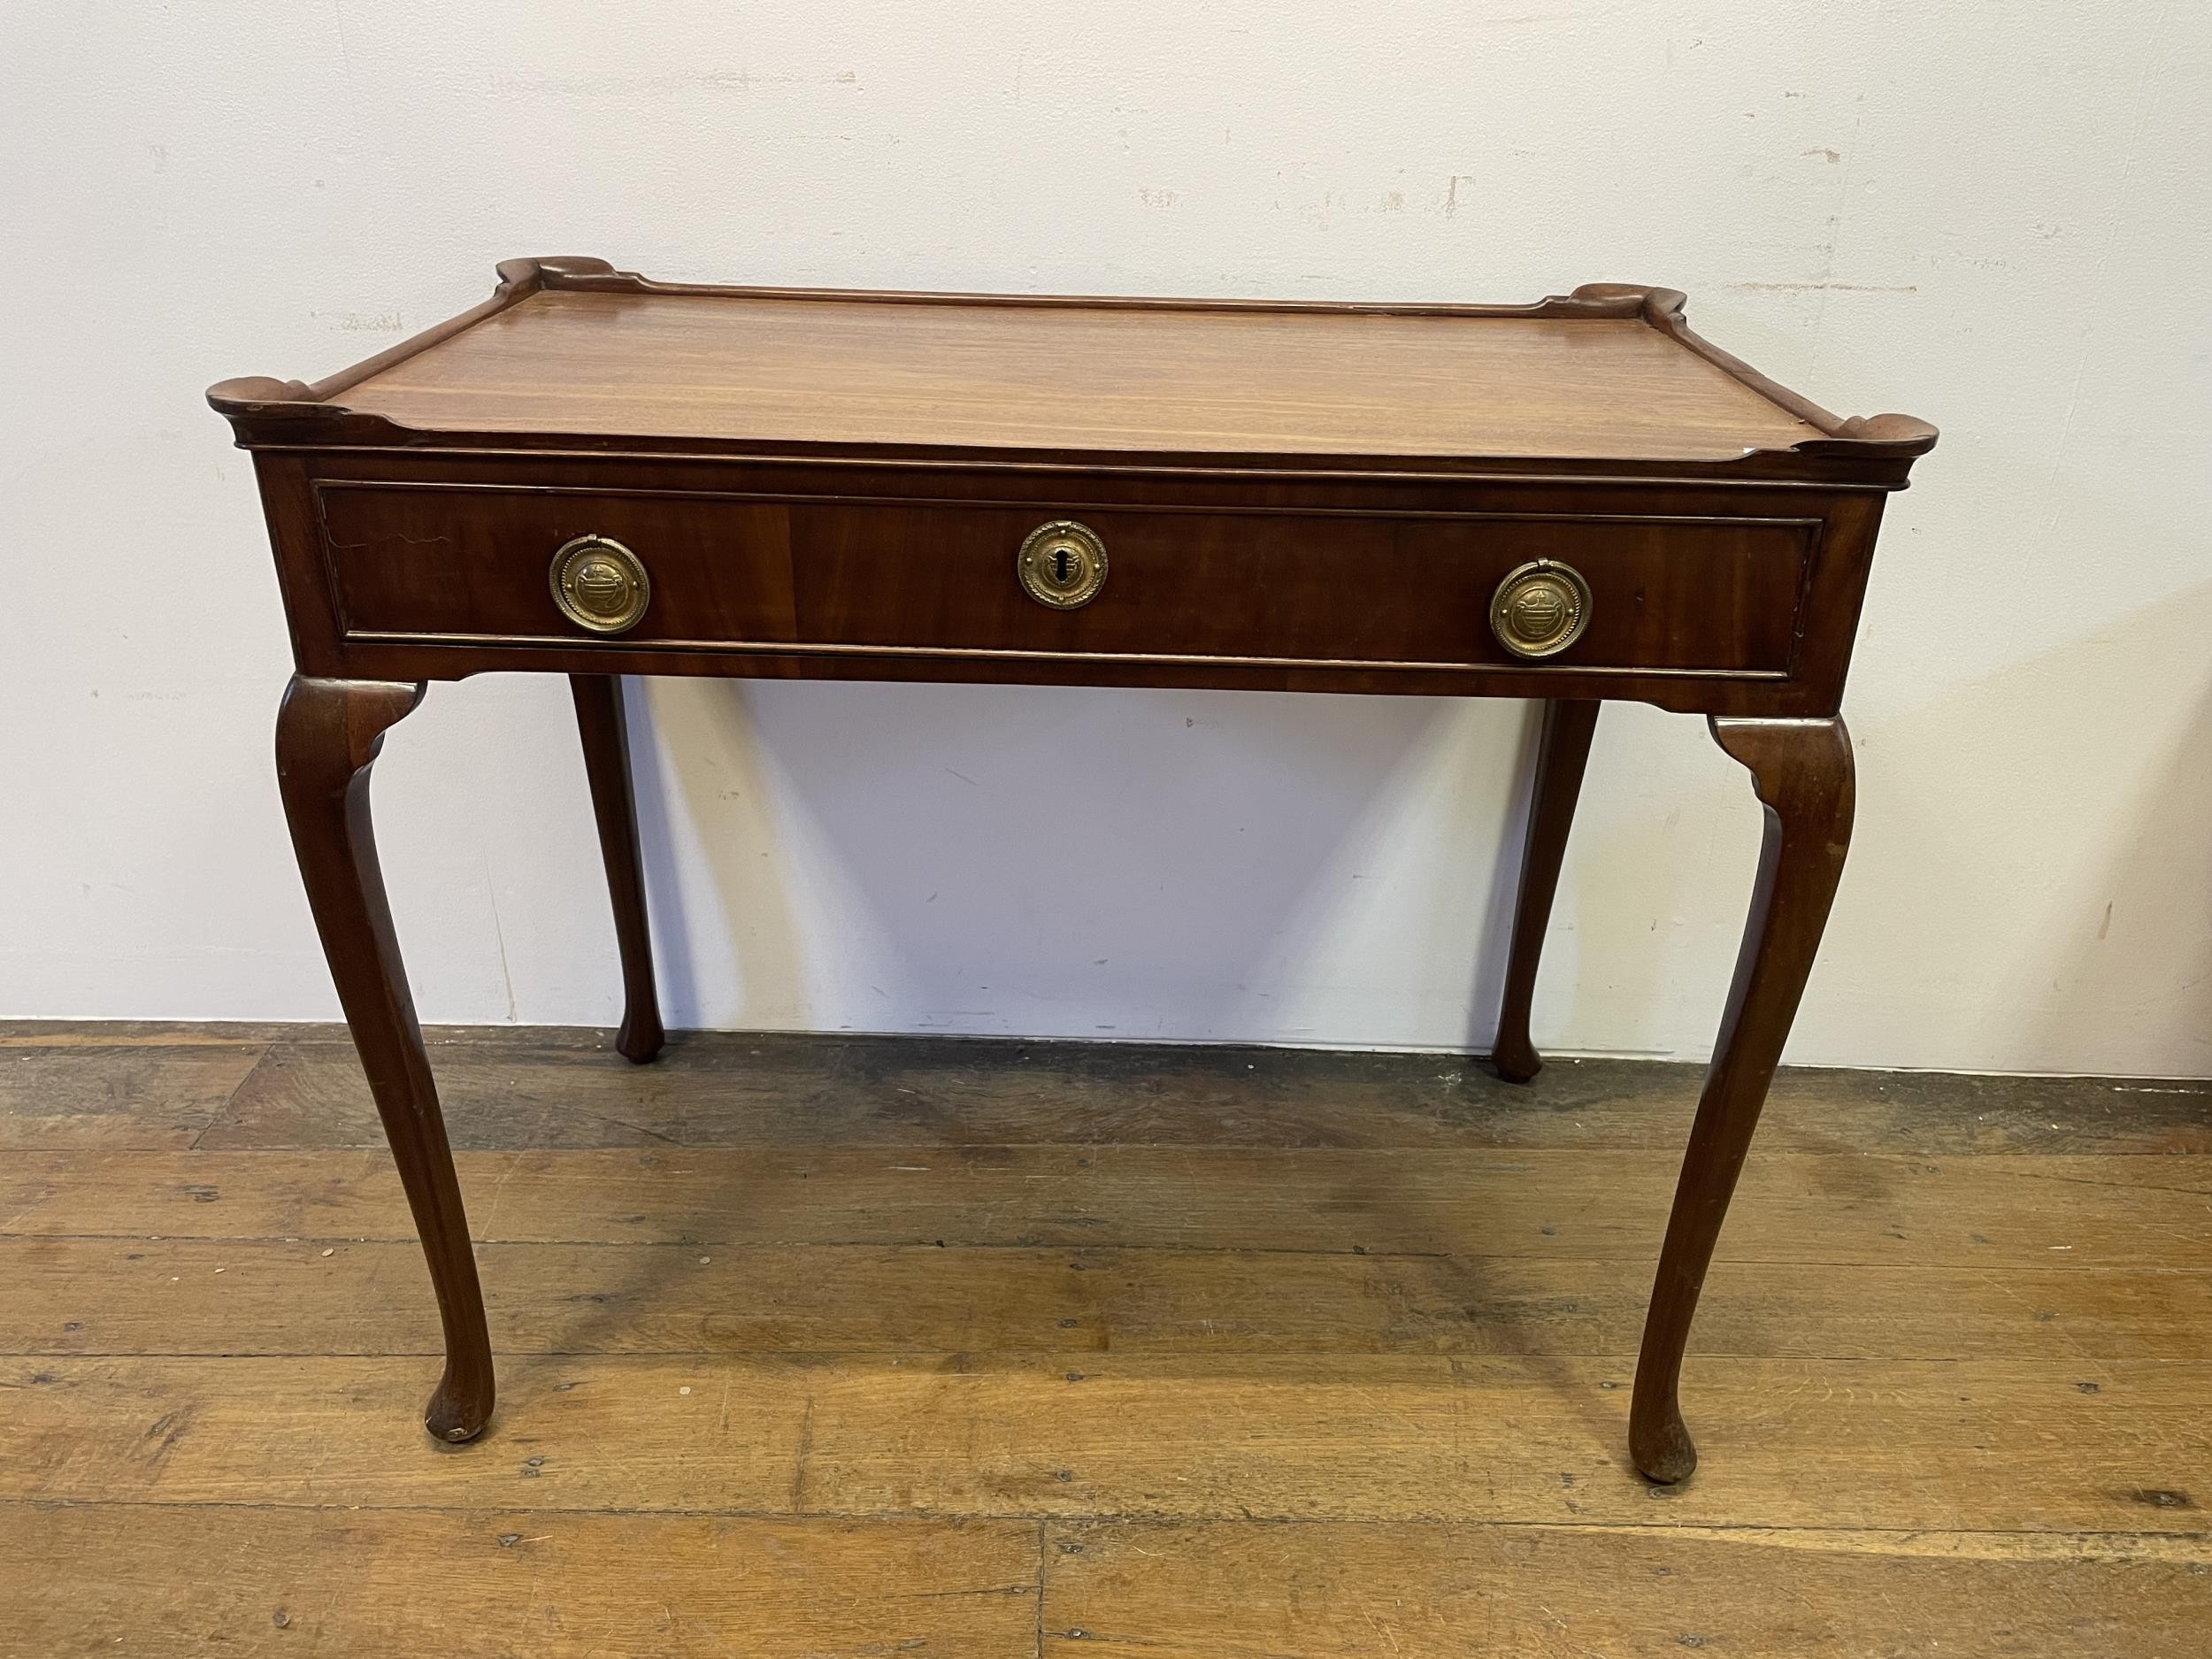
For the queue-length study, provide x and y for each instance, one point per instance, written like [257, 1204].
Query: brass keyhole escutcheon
[1540, 609]
[599, 584]
[1062, 564]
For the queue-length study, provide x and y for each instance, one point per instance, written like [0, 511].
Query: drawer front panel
[425, 562]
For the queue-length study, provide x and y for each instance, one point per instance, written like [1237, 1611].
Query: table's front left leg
[605, 730]
[327, 735]
[1802, 773]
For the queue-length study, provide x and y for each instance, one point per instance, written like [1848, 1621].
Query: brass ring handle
[1540, 609]
[600, 585]
[1062, 564]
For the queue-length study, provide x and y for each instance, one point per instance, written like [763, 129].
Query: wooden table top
[888, 371]
[573, 348]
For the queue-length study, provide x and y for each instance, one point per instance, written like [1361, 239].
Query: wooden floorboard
[1218, 1591]
[515, 1088]
[1963, 1444]
[499, 1584]
[311, 1295]
[875, 1346]
[1837, 1207]
[63, 1094]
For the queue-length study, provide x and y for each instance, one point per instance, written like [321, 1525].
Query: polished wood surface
[1959, 1441]
[572, 350]
[436, 564]
[882, 371]
[1324, 497]
[1740, 599]
[831, 484]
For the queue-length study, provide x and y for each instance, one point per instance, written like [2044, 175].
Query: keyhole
[1061, 565]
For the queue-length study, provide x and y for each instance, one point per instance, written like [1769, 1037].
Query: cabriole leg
[1802, 774]
[1561, 752]
[605, 730]
[327, 735]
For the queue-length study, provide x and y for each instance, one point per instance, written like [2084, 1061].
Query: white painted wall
[1992, 216]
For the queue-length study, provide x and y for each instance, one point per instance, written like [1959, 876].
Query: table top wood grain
[573, 349]
[882, 371]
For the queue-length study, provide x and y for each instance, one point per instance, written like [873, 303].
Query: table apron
[1736, 603]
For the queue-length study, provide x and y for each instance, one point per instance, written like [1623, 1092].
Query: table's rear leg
[327, 735]
[605, 730]
[1561, 752]
[1802, 773]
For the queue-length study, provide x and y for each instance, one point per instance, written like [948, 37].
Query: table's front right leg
[1803, 774]
[327, 735]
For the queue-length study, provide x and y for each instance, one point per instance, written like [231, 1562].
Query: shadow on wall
[1041, 860]
[1607, 966]
[1067, 861]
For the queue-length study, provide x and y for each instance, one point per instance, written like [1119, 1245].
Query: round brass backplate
[600, 585]
[1062, 564]
[1540, 609]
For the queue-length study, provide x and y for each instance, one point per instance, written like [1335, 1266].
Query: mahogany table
[594, 474]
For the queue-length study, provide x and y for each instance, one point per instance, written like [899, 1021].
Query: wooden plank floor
[886, 1347]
